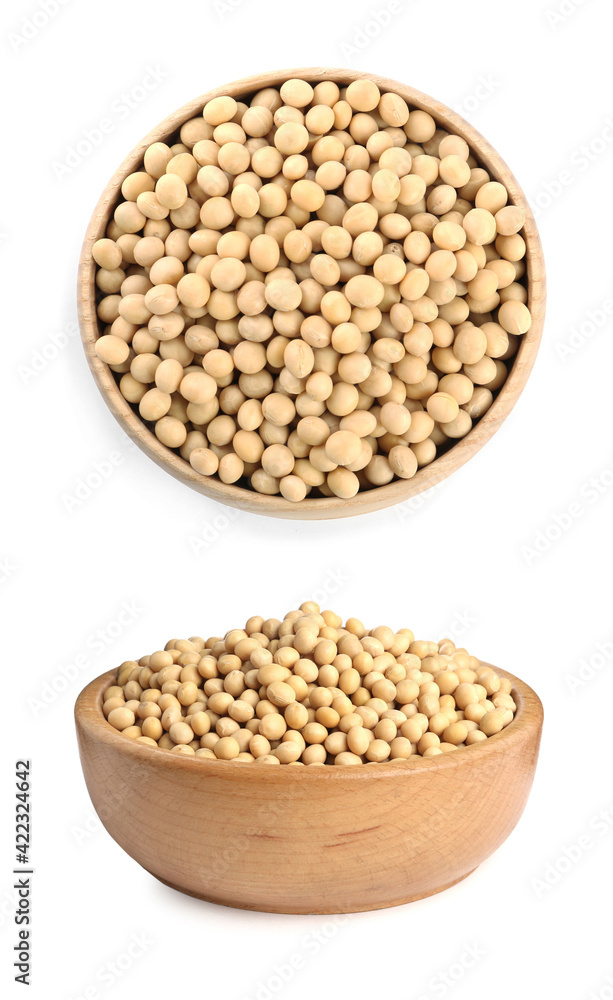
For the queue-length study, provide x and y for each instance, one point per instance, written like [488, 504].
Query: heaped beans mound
[313, 292]
[308, 690]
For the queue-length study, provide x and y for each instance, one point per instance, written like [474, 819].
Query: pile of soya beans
[308, 690]
[312, 292]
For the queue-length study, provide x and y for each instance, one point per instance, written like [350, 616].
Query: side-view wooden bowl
[311, 839]
[325, 507]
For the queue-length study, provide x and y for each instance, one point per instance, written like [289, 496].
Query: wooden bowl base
[312, 909]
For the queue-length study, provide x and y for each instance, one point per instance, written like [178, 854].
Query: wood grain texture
[308, 840]
[326, 507]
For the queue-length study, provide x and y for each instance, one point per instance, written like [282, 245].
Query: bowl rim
[90, 719]
[365, 500]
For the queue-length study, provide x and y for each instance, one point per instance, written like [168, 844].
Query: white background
[462, 559]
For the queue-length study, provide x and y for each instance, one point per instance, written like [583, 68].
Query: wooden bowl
[308, 839]
[325, 507]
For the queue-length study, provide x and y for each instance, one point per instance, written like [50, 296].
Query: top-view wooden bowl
[308, 839]
[324, 507]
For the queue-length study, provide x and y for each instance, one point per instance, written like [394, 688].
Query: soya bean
[492, 722]
[307, 256]
[479, 226]
[343, 447]
[121, 718]
[403, 461]
[197, 387]
[442, 407]
[181, 732]
[227, 748]
[343, 483]
[107, 254]
[514, 317]
[309, 691]
[112, 350]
